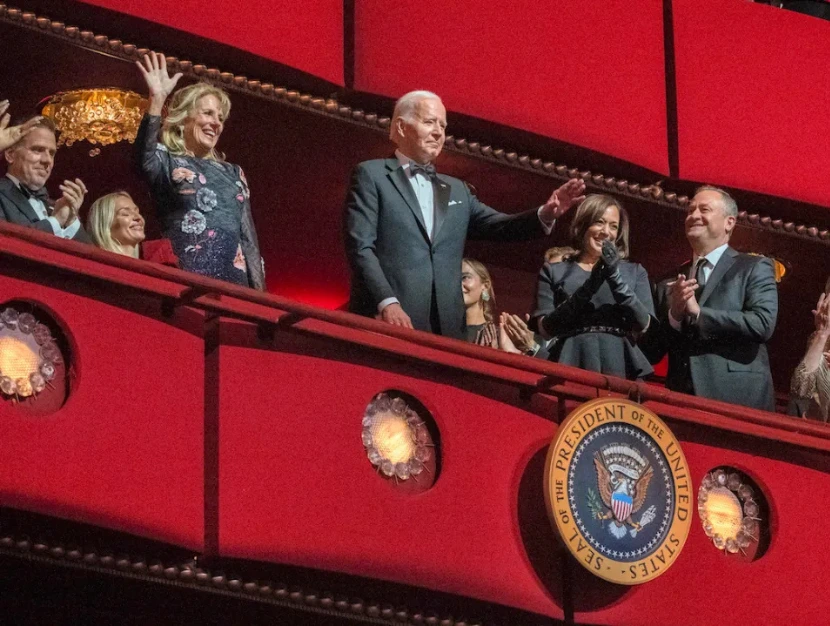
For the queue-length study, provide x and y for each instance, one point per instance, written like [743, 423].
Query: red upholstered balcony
[226, 422]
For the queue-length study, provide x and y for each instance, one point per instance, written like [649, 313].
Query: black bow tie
[39, 194]
[427, 170]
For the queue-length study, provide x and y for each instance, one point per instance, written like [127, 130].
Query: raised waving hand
[159, 82]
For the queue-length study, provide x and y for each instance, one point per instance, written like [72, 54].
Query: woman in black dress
[595, 304]
[202, 201]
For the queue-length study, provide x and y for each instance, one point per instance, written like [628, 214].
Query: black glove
[568, 314]
[610, 257]
[623, 294]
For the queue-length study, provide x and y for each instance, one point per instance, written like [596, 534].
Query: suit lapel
[401, 182]
[726, 261]
[11, 191]
[441, 204]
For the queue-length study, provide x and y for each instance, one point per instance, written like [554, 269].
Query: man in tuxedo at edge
[406, 225]
[717, 312]
[23, 197]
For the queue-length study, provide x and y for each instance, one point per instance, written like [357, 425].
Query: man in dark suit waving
[23, 196]
[406, 225]
[717, 312]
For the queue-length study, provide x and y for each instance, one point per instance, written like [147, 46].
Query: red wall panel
[296, 486]
[125, 451]
[707, 586]
[307, 35]
[589, 73]
[752, 98]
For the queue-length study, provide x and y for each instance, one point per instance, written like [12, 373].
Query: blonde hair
[590, 210]
[489, 305]
[182, 105]
[100, 219]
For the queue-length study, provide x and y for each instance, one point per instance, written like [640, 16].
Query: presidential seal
[618, 491]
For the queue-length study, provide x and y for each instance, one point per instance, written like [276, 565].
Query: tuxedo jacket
[15, 208]
[391, 254]
[723, 354]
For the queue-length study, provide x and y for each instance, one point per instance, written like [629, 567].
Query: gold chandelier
[99, 116]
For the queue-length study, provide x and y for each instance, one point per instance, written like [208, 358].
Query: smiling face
[707, 225]
[422, 137]
[607, 226]
[471, 286]
[203, 126]
[127, 227]
[31, 159]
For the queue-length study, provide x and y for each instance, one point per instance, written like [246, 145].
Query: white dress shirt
[708, 267]
[424, 191]
[42, 211]
[711, 261]
[425, 194]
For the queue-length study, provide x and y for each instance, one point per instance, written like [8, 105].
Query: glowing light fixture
[780, 266]
[99, 116]
[18, 357]
[28, 354]
[728, 511]
[395, 438]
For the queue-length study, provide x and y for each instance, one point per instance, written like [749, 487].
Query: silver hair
[406, 105]
[730, 207]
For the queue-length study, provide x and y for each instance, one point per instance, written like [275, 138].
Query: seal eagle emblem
[623, 476]
[618, 490]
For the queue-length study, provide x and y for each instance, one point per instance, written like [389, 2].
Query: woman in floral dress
[203, 202]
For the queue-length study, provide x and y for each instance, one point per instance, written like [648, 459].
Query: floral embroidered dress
[205, 210]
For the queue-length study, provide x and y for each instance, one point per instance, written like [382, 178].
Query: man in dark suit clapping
[406, 225]
[717, 312]
[23, 196]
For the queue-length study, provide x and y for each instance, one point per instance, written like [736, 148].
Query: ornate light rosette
[618, 490]
[395, 438]
[28, 354]
[728, 511]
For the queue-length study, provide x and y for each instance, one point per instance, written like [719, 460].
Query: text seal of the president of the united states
[618, 490]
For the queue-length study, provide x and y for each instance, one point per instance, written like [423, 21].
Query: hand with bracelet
[522, 337]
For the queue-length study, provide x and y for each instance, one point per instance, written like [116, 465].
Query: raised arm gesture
[159, 82]
[563, 198]
[10, 135]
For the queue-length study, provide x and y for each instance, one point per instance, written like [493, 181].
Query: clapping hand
[505, 343]
[69, 204]
[10, 135]
[821, 314]
[610, 256]
[154, 70]
[682, 301]
[488, 336]
[561, 200]
[518, 332]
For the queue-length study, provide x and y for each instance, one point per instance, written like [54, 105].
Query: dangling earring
[485, 295]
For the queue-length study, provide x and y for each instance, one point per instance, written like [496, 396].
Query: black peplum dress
[603, 338]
